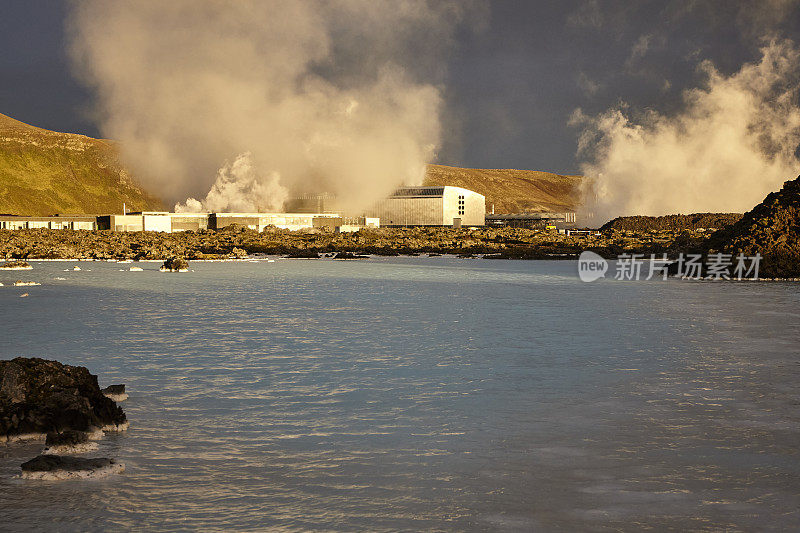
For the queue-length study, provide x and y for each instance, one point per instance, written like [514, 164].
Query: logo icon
[591, 266]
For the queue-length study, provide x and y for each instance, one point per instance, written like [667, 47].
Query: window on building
[461, 204]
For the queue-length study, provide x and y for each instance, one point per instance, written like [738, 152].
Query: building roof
[418, 191]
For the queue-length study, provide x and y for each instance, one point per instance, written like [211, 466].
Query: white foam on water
[117, 397]
[59, 475]
[115, 428]
[66, 449]
[23, 437]
[95, 433]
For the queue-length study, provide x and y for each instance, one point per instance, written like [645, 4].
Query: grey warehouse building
[431, 206]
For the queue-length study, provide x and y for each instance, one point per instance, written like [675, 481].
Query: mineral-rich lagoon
[417, 393]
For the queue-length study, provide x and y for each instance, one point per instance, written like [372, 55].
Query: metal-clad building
[259, 221]
[431, 206]
[54, 222]
[189, 221]
[530, 220]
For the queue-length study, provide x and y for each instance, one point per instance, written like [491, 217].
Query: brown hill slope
[45, 172]
[512, 191]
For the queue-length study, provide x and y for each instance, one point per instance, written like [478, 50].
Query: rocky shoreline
[64, 406]
[770, 229]
[233, 243]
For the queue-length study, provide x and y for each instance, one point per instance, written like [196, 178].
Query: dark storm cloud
[509, 88]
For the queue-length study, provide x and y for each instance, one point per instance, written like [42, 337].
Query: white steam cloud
[239, 188]
[734, 141]
[340, 96]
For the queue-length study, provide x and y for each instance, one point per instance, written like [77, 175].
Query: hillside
[512, 191]
[772, 229]
[44, 172]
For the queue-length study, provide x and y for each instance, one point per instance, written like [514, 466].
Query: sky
[513, 78]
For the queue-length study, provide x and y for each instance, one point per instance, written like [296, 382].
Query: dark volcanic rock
[40, 396]
[350, 255]
[303, 254]
[115, 392]
[15, 265]
[772, 229]
[69, 441]
[672, 222]
[114, 389]
[60, 467]
[175, 264]
[69, 437]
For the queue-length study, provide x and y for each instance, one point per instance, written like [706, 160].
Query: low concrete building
[531, 220]
[350, 224]
[168, 222]
[74, 222]
[120, 222]
[189, 221]
[153, 221]
[260, 221]
[431, 206]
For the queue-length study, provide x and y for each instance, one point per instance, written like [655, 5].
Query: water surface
[418, 394]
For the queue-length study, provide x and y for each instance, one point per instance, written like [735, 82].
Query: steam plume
[735, 140]
[302, 95]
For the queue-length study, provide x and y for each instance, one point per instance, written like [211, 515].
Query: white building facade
[431, 206]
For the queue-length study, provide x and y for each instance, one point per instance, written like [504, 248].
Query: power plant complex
[408, 206]
[438, 206]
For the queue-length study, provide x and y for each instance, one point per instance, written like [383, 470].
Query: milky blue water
[418, 394]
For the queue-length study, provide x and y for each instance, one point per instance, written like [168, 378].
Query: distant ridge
[513, 191]
[44, 172]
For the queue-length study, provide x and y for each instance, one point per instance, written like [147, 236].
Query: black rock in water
[67, 438]
[39, 396]
[115, 392]
[65, 467]
[303, 254]
[49, 463]
[350, 255]
[175, 264]
[114, 389]
[15, 265]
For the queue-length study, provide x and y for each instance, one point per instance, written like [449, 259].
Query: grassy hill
[512, 191]
[44, 172]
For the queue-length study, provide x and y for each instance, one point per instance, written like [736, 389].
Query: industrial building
[408, 206]
[153, 221]
[86, 222]
[169, 222]
[260, 221]
[531, 220]
[431, 206]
